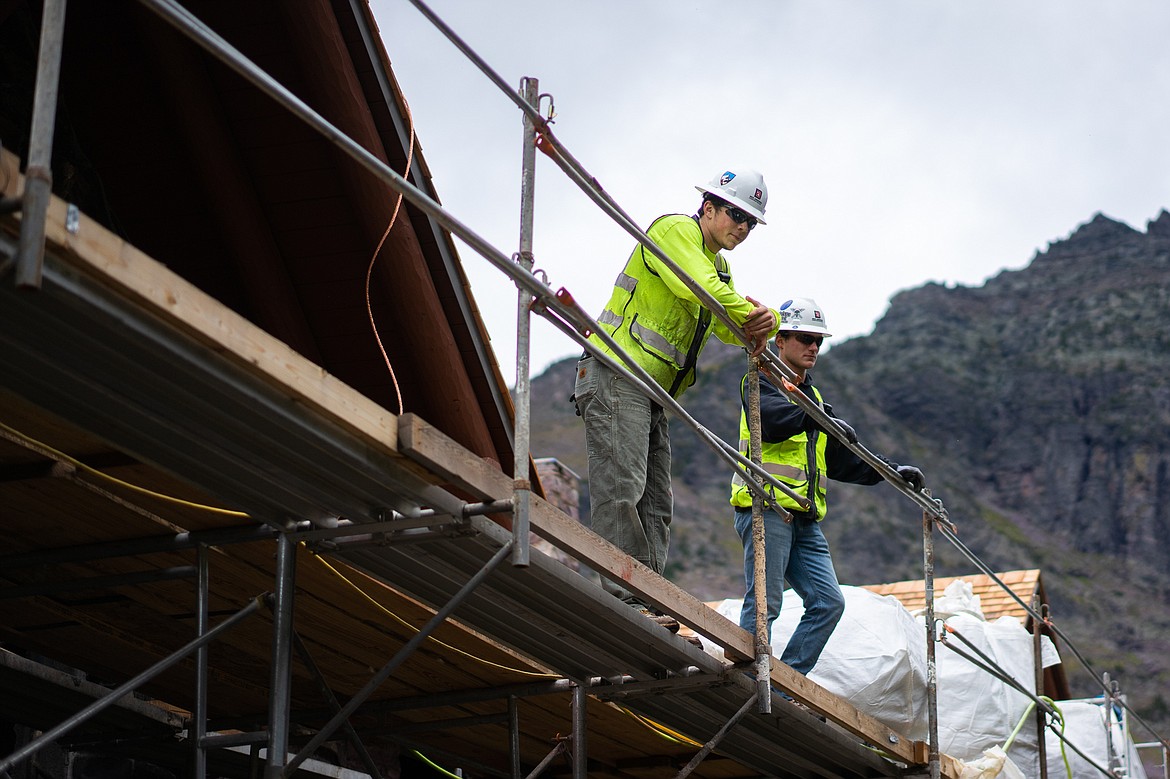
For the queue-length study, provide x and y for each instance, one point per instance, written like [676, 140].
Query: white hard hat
[804, 316]
[743, 188]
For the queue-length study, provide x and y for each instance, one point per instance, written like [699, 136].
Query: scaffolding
[427, 541]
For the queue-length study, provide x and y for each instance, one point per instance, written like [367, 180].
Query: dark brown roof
[190, 163]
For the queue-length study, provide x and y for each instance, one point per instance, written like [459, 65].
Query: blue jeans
[796, 551]
[628, 442]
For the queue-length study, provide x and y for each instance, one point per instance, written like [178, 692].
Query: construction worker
[660, 323]
[801, 455]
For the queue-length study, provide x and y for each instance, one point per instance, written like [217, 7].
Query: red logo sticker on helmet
[759, 195]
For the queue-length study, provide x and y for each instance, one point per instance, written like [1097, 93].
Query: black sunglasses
[739, 217]
[809, 340]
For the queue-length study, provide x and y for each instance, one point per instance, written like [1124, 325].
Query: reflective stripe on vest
[610, 318]
[799, 461]
[787, 471]
[657, 342]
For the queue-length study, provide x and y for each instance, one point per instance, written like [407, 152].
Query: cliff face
[1051, 385]
[1039, 407]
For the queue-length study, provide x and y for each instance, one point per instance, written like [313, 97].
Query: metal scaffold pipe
[709, 747]
[979, 659]
[1038, 678]
[522, 487]
[933, 758]
[38, 175]
[198, 724]
[280, 674]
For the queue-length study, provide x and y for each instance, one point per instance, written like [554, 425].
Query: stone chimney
[562, 488]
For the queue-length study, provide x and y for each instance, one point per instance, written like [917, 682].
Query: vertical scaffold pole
[759, 549]
[199, 723]
[1127, 754]
[521, 486]
[1037, 659]
[931, 668]
[1111, 693]
[514, 735]
[580, 735]
[38, 174]
[279, 694]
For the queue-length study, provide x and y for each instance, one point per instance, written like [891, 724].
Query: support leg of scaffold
[38, 176]
[198, 727]
[1111, 693]
[514, 735]
[580, 734]
[279, 692]
[522, 489]
[1038, 664]
[931, 668]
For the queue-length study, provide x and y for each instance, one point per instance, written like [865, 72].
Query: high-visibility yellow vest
[798, 462]
[655, 318]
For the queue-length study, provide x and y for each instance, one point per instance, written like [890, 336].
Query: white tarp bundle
[1084, 726]
[978, 711]
[876, 659]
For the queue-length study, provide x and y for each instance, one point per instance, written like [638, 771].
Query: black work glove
[850, 433]
[912, 476]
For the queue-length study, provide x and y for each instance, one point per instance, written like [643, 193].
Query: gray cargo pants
[628, 443]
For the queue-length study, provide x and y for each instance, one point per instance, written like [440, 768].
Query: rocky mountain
[1038, 405]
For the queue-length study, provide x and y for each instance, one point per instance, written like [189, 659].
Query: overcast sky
[902, 142]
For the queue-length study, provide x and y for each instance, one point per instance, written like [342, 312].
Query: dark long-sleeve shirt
[780, 419]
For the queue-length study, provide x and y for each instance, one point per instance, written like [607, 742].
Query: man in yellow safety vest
[659, 322]
[801, 455]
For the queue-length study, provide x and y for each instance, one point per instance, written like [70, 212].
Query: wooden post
[759, 547]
